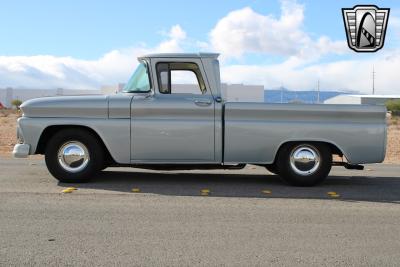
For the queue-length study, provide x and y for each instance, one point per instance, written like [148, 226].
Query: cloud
[352, 75]
[246, 31]
[48, 72]
[176, 36]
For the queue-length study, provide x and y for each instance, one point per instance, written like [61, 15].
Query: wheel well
[50, 131]
[334, 149]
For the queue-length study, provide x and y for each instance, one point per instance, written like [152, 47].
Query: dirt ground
[8, 120]
[393, 141]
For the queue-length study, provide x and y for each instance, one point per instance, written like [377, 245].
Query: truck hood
[90, 106]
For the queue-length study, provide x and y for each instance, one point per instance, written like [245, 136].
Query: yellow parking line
[71, 188]
[135, 190]
[333, 194]
[205, 192]
[65, 191]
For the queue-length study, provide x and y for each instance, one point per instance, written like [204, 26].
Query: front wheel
[304, 164]
[74, 155]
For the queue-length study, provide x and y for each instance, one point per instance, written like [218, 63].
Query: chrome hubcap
[73, 156]
[305, 160]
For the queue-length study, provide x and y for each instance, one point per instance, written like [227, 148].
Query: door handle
[202, 102]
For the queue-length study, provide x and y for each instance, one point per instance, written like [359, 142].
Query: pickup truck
[158, 123]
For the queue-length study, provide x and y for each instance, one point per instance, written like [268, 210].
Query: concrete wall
[343, 99]
[243, 93]
[361, 99]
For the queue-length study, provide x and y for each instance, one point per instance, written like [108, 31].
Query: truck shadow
[349, 188]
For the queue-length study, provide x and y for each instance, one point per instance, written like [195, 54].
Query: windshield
[139, 82]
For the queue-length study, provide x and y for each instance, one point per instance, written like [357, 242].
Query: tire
[304, 164]
[83, 155]
[272, 168]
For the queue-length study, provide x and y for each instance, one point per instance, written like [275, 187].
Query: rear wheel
[304, 164]
[74, 155]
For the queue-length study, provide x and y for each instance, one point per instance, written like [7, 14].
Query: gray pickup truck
[155, 124]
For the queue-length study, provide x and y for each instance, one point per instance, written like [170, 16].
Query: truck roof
[180, 55]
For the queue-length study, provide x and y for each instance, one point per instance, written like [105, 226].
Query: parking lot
[236, 217]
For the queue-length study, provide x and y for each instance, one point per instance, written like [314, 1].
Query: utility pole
[281, 93]
[373, 79]
[318, 92]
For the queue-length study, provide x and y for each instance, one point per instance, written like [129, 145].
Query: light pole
[373, 79]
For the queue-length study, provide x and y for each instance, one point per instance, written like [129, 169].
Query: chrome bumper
[21, 151]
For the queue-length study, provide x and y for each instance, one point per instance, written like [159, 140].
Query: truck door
[176, 123]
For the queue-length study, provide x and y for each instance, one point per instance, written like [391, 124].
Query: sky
[86, 44]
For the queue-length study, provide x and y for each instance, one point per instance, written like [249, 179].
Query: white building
[242, 93]
[230, 92]
[361, 99]
[112, 89]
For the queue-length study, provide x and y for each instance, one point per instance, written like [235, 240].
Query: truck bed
[253, 132]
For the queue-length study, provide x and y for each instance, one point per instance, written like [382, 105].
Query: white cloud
[47, 72]
[246, 31]
[354, 75]
[176, 36]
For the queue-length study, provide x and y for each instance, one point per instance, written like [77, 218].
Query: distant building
[242, 92]
[284, 95]
[112, 89]
[230, 92]
[361, 99]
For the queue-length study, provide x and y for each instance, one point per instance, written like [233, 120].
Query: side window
[184, 81]
[180, 77]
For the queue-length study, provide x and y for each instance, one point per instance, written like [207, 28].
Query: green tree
[393, 105]
[16, 103]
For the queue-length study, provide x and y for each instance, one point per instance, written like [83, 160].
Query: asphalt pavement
[243, 217]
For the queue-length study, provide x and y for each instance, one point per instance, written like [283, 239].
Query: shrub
[393, 105]
[16, 103]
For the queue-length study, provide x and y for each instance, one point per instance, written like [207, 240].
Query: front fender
[115, 133]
